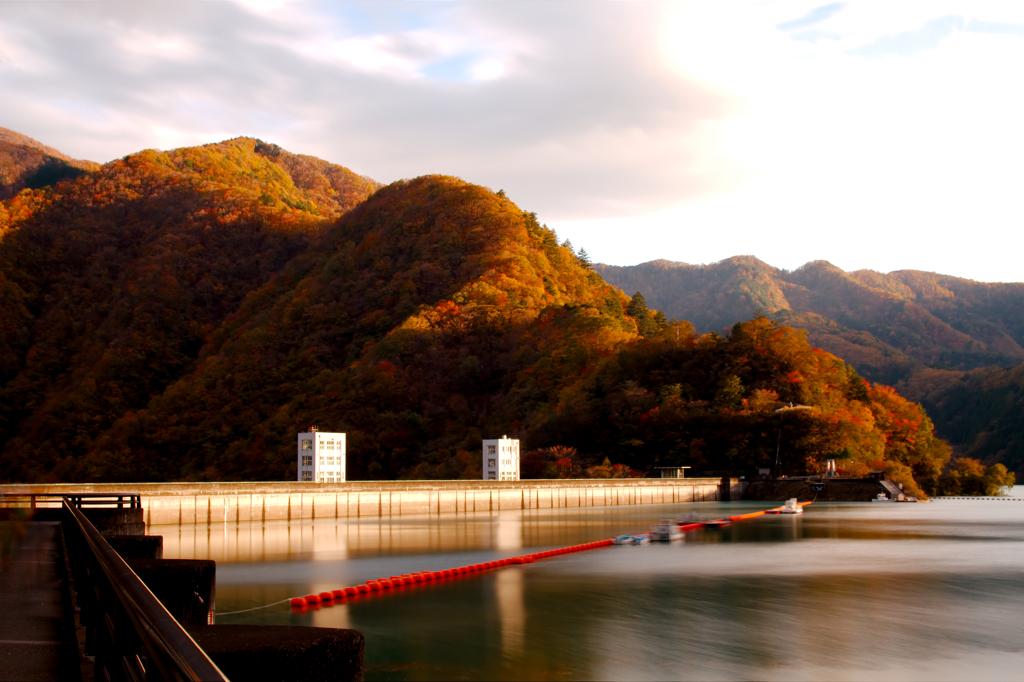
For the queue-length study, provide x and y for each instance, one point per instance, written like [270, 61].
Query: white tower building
[501, 459]
[321, 456]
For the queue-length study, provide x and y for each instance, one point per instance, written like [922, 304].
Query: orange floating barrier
[743, 517]
[313, 601]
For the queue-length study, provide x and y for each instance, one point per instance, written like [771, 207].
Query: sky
[873, 134]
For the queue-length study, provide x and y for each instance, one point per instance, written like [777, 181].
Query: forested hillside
[24, 162]
[919, 331]
[180, 315]
[111, 284]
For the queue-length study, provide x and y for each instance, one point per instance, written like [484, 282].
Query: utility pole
[777, 447]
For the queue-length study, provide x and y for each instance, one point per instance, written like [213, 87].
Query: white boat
[626, 539]
[882, 497]
[791, 507]
[665, 531]
[642, 539]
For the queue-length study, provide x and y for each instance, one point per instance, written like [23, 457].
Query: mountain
[180, 315]
[111, 284]
[26, 163]
[921, 332]
[981, 412]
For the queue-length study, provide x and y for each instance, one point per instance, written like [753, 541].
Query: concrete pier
[197, 503]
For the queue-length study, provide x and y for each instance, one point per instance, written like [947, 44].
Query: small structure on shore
[321, 456]
[673, 472]
[501, 459]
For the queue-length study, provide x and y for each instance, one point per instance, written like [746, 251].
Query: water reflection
[847, 591]
[508, 530]
[511, 609]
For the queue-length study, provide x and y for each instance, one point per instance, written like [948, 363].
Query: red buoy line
[397, 581]
[324, 599]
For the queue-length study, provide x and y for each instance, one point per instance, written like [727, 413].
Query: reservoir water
[845, 591]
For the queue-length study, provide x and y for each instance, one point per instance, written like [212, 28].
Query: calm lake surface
[846, 591]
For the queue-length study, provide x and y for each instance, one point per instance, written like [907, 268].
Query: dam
[199, 503]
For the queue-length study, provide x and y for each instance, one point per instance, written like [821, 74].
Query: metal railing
[128, 630]
[79, 500]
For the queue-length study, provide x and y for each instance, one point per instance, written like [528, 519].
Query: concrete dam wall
[196, 503]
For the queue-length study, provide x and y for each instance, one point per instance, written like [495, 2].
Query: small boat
[642, 539]
[882, 497]
[665, 531]
[791, 507]
[688, 519]
[626, 539]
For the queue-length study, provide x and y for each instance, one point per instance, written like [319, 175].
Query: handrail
[170, 653]
[108, 500]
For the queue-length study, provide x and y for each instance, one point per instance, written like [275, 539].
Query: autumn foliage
[180, 315]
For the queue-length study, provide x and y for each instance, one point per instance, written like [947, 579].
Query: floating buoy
[298, 602]
[312, 598]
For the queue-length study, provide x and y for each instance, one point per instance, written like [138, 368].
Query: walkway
[37, 639]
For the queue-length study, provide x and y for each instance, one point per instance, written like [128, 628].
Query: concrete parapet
[138, 546]
[282, 652]
[191, 503]
[113, 522]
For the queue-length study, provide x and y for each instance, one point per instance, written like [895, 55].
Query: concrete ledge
[138, 546]
[282, 652]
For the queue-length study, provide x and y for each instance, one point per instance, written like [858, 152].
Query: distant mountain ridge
[919, 331]
[887, 325]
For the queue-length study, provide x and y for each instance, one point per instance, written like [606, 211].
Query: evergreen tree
[638, 307]
[584, 259]
[638, 310]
